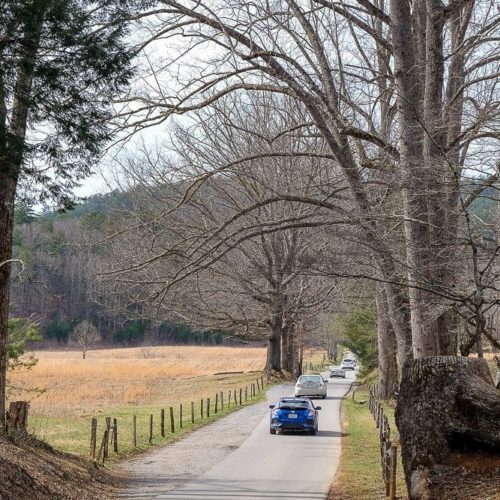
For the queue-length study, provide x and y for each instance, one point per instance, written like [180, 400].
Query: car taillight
[310, 414]
[274, 413]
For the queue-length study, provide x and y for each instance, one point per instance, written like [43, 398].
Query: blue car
[294, 414]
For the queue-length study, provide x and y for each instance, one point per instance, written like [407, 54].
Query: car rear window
[294, 404]
[310, 378]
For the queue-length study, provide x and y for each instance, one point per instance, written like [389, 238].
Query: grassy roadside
[359, 474]
[71, 433]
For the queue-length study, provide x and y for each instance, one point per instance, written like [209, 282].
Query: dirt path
[172, 466]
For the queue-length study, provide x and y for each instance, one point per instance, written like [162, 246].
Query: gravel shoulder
[170, 467]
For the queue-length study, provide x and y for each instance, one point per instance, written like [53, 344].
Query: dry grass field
[125, 382]
[132, 376]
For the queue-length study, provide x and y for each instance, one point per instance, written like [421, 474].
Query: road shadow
[319, 434]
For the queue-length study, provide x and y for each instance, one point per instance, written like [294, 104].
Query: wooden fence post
[93, 437]
[102, 448]
[192, 412]
[216, 408]
[235, 399]
[208, 407]
[262, 381]
[134, 431]
[258, 385]
[172, 426]
[229, 399]
[115, 435]
[150, 429]
[180, 416]
[393, 464]
[221, 401]
[201, 408]
[162, 422]
[106, 444]
[241, 392]
[246, 393]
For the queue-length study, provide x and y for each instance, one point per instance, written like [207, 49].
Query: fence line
[110, 433]
[388, 448]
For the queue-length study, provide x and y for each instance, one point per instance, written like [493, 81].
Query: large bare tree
[237, 254]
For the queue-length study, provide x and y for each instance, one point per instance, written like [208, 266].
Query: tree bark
[387, 348]
[17, 416]
[445, 403]
[7, 195]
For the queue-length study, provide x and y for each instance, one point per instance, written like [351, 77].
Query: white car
[311, 385]
[348, 364]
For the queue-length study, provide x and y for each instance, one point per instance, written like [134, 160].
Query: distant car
[311, 385]
[337, 371]
[348, 364]
[294, 414]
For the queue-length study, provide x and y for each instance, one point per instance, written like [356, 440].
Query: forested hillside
[56, 288]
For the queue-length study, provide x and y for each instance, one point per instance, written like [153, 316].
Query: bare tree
[233, 255]
[85, 335]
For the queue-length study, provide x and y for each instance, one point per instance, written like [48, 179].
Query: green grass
[359, 476]
[72, 433]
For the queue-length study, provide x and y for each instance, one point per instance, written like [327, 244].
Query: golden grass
[131, 376]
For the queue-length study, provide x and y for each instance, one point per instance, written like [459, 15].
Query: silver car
[336, 371]
[311, 385]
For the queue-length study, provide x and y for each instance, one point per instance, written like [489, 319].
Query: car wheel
[272, 431]
[313, 432]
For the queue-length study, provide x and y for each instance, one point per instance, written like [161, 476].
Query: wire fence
[169, 420]
[388, 446]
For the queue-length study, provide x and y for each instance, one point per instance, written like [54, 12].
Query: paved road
[290, 466]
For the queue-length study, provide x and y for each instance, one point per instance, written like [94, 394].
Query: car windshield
[310, 378]
[293, 404]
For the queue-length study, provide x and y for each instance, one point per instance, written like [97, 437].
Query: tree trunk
[17, 416]
[387, 348]
[293, 352]
[285, 341]
[409, 57]
[445, 403]
[273, 354]
[7, 195]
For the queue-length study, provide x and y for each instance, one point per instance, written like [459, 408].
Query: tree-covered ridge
[58, 284]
